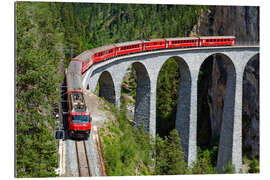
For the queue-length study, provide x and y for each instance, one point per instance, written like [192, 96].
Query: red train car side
[217, 41]
[128, 47]
[182, 42]
[104, 52]
[153, 44]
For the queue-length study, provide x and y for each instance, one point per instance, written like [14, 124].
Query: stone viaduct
[110, 75]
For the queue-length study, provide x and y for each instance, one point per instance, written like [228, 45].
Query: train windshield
[80, 119]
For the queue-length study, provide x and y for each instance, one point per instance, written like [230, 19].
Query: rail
[100, 153]
[82, 158]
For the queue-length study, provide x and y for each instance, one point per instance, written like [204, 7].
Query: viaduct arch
[148, 65]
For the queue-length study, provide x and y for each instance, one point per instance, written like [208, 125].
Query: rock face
[242, 22]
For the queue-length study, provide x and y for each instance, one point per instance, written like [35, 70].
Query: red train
[92, 56]
[79, 118]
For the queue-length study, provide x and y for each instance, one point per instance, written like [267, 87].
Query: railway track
[83, 159]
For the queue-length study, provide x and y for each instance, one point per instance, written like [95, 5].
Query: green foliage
[169, 155]
[89, 25]
[203, 163]
[254, 166]
[229, 169]
[38, 38]
[127, 150]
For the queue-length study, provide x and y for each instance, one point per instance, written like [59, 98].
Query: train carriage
[104, 52]
[182, 42]
[154, 44]
[217, 40]
[128, 47]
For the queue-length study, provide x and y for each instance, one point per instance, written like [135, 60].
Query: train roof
[127, 43]
[154, 40]
[181, 38]
[74, 75]
[103, 48]
[85, 55]
[215, 37]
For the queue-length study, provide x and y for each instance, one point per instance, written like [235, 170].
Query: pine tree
[169, 155]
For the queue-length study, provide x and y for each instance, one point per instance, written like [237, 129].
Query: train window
[160, 43]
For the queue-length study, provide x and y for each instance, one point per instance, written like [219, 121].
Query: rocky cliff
[242, 22]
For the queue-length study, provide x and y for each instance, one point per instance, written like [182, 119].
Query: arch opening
[216, 77]
[135, 95]
[167, 96]
[180, 107]
[251, 114]
[105, 87]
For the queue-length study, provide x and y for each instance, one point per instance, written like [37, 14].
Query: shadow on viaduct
[110, 75]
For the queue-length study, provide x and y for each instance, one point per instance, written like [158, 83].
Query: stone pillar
[192, 147]
[227, 127]
[142, 106]
[237, 125]
[118, 93]
[182, 123]
[153, 101]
